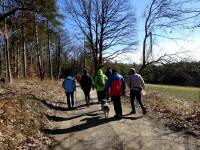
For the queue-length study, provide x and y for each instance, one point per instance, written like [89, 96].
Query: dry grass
[181, 115]
[22, 112]
[22, 115]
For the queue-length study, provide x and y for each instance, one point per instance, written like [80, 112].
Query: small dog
[105, 108]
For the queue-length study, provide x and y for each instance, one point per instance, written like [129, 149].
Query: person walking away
[86, 85]
[100, 84]
[108, 73]
[136, 84]
[69, 86]
[116, 87]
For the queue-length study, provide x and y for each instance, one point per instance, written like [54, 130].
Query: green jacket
[99, 86]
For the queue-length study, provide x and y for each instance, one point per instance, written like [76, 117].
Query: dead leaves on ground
[181, 115]
[22, 117]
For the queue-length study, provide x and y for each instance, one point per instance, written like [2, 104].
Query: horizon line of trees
[181, 73]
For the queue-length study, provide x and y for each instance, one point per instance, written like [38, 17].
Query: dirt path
[87, 129]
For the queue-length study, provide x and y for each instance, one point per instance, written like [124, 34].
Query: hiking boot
[117, 117]
[144, 111]
[132, 112]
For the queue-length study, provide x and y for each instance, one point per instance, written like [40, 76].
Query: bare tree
[24, 46]
[191, 14]
[49, 52]
[108, 25]
[160, 17]
[7, 47]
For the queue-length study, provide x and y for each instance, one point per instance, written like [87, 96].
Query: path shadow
[55, 106]
[59, 105]
[58, 118]
[90, 123]
[131, 118]
[51, 105]
[82, 106]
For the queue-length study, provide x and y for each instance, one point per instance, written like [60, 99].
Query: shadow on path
[90, 123]
[59, 105]
[58, 118]
[131, 118]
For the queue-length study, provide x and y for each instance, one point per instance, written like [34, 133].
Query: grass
[179, 92]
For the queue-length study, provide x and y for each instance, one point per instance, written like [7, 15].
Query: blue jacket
[69, 84]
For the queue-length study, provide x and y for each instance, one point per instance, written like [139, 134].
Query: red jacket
[116, 84]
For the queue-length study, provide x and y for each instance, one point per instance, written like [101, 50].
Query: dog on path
[105, 108]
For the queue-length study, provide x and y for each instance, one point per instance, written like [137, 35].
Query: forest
[44, 41]
[35, 44]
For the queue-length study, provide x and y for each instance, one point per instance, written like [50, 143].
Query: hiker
[100, 83]
[69, 86]
[116, 87]
[78, 78]
[136, 84]
[86, 85]
[108, 73]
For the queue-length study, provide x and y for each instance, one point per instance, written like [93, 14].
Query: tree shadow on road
[61, 106]
[89, 123]
[59, 118]
[127, 116]
[50, 105]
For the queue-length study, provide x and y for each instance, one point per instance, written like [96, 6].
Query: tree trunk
[7, 53]
[49, 52]
[1, 62]
[8, 61]
[17, 65]
[24, 48]
[5, 64]
[59, 58]
[38, 51]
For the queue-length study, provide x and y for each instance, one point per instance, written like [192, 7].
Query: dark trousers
[117, 105]
[101, 95]
[70, 103]
[87, 96]
[107, 95]
[136, 94]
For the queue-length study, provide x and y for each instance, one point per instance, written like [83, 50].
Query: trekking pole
[75, 99]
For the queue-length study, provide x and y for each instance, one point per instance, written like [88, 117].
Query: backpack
[86, 81]
[101, 80]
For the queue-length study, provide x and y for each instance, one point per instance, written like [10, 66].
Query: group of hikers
[108, 85]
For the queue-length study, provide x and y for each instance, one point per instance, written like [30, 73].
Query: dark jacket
[86, 82]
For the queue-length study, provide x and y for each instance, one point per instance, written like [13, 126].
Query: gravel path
[86, 128]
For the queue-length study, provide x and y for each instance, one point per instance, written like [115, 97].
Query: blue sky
[190, 42]
[189, 39]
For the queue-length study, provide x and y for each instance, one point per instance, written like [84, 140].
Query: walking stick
[75, 99]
